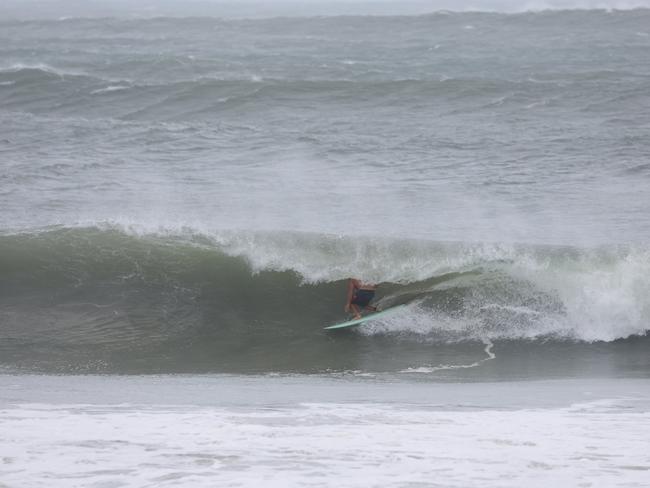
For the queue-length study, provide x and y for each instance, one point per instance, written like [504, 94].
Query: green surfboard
[367, 318]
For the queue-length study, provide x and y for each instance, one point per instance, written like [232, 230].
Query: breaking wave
[112, 288]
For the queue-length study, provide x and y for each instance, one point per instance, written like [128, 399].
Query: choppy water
[529, 127]
[187, 196]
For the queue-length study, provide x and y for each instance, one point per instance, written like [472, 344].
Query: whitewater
[183, 196]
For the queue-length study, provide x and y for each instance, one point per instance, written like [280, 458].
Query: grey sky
[262, 8]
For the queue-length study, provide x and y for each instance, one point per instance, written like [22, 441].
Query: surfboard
[367, 318]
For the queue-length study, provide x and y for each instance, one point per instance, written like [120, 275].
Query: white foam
[604, 295]
[41, 67]
[442, 367]
[320, 258]
[109, 89]
[324, 444]
[605, 292]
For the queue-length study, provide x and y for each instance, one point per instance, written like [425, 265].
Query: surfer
[359, 295]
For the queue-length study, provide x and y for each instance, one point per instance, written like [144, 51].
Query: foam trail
[441, 367]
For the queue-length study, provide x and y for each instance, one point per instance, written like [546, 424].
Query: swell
[40, 90]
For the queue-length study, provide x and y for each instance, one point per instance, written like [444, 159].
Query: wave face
[101, 299]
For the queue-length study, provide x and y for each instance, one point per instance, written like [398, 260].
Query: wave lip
[38, 70]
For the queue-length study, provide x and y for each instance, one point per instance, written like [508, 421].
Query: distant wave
[140, 81]
[38, 68]
[191, 98]
[109, 89]
[543, 5]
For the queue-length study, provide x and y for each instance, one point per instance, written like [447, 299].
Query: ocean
[182, 201]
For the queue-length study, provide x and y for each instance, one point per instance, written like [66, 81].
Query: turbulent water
[182, 200]
[189, 194]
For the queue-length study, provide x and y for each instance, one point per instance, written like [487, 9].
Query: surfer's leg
[372, 308]
[355, 310]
